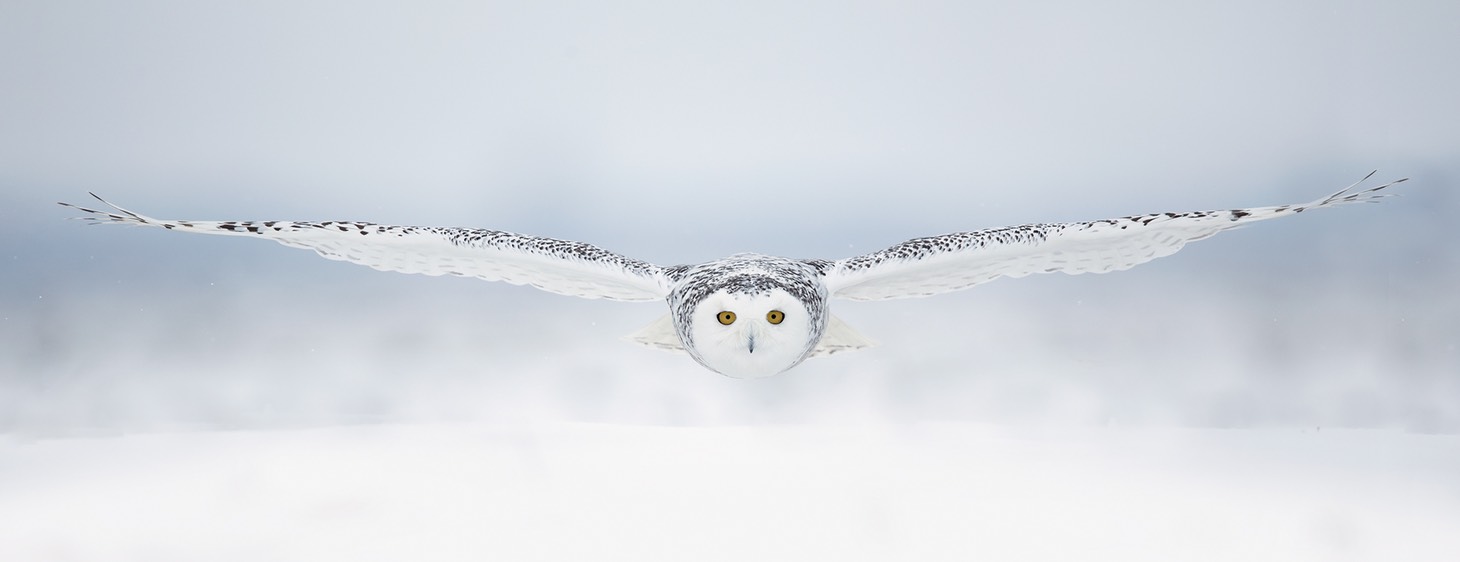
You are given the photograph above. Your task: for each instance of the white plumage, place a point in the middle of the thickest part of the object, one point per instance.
(939, 264)
(777, 307)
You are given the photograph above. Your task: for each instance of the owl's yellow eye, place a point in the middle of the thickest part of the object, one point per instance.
(775, 316)
(726, 317)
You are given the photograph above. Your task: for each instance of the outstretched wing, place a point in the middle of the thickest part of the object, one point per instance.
(929, 266)
(558, 266)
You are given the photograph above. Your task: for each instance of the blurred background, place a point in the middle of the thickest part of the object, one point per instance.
(683, 132)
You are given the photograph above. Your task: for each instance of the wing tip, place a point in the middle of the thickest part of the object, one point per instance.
(1369, 195)
(99, 216)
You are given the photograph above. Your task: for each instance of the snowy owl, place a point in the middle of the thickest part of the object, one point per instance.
(752, 315)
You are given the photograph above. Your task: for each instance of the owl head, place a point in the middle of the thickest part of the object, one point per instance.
(751, 333)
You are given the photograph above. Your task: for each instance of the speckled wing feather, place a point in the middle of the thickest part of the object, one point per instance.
(939, 264)
(558, 266)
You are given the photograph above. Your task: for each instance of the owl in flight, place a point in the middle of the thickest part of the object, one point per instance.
(752, 315)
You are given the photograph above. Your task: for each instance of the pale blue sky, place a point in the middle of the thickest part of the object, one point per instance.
(675, 133)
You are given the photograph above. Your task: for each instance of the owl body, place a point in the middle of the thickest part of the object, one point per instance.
(752, 315)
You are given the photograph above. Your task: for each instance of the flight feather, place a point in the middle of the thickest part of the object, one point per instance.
(950, 262)
(558, 266)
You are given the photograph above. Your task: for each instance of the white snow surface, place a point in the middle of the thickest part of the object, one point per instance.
(923, 491)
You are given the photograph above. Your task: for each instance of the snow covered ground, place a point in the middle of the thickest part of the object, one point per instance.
(473, 491)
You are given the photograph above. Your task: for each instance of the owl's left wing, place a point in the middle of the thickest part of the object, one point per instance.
(557, 266)
(940, 264)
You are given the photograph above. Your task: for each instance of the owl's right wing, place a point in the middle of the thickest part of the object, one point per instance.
(557, 266)
(940, 264)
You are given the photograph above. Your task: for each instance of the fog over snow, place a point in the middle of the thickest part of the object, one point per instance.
(1285, 391)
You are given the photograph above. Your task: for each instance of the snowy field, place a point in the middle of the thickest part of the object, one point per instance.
(621, 492)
